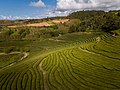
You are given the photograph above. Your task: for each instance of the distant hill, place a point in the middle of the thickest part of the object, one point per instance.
(96, 21)
(83, 15)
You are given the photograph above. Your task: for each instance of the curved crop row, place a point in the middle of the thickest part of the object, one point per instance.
(90, 65)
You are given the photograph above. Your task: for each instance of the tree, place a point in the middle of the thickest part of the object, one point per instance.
(73, 28)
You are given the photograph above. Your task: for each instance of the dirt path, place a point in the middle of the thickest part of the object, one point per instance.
(25, 55)
(98, 39)
(9, 53)
(87, 51)
(44, 75)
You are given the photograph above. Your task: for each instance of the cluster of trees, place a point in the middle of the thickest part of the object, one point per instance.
(29, 33)
(84, 15)
(96, 21)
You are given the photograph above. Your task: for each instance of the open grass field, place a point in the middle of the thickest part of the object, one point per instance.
(78, 61)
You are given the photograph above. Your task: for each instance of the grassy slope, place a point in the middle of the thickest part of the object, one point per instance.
(8, 59)
(74, 61)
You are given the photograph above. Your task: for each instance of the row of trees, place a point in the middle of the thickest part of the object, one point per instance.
(29, 33)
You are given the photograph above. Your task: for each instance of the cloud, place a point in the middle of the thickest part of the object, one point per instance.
(88, 4)
(54, 13)
(38, 4)
(9, 17)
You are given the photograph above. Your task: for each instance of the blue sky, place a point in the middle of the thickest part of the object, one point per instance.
(21, 9)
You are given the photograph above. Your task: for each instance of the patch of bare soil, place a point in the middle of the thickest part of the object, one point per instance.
(60, 21)
(98, 39)
(39, 24)
(33, 25)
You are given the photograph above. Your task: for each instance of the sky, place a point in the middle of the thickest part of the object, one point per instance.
(34, 9)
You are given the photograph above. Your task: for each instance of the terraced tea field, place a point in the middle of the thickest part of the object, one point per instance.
(91, 64)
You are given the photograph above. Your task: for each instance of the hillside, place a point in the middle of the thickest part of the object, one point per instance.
(85, 63)
(70, 54)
